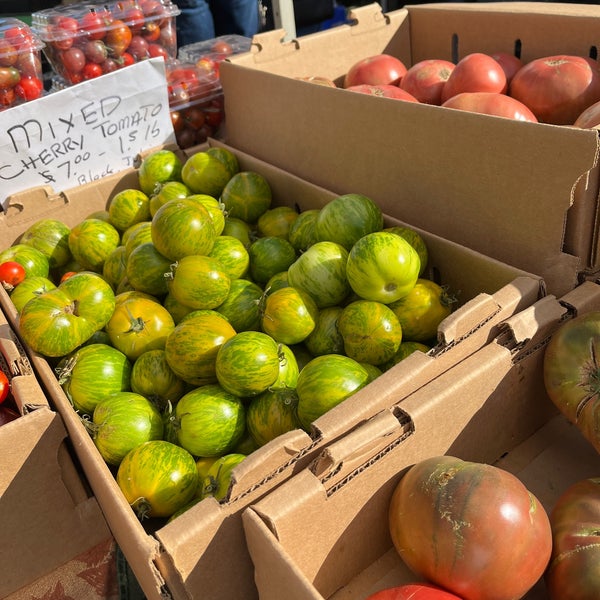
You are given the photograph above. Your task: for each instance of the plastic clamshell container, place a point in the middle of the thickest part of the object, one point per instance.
(196, 102)
(21, 77)
(84, 40)
(214, 50)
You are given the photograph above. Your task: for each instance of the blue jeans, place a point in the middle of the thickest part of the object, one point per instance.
(201, 20)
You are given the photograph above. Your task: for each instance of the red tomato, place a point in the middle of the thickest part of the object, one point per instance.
(490, 103)
(573, 572)
(557, 88)
(93, 24)
(589, 118)
(92, 70)
(476, 72)
(4, 386)
(222, 47)
(64, 32)
(426, 79)
(385, 91)
(11, 273)
(376, 70)
(29, 88)
(471, 528)
(509, 62)
(413, 591)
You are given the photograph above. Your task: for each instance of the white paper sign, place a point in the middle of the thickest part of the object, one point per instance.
(85, 132)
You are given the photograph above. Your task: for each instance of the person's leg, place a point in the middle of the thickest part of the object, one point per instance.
(194, 23)
(235, 17)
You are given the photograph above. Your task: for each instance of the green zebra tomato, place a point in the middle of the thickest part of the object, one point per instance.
(51, 238)
(248, 363)
(169, 190)
(370, 330)
(288, 369)
(241, 307)
(276, 222)
(92, 373)
(326, 338)
(325, 382)
(302, 233)
(383, 267)
(157, 478)
(122, 421)
(29, 288)
(347, 218)
(206, 173)
(128, 207)
(271, 414)
(191, 348)
(247, 195)
(218, 478)
(239, 229)
(232, 255)
(209, 420)
(183, 228)
(138, 325)
(415, 239)
(114, 268)
(136, 235)
(215, 209)
(34, 261)
(268, 256)
(321, 271)
(61, 319)
(146, 268)
(158, 167)
(91, 241)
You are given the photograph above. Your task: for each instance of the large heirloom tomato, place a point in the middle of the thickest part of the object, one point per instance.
(60, 320)
(375, 70)
(383, 267)
(324, 382)
(572, 373)
(209, 421)
(157, 478)
(557, 88)
(425, 80)
(91, 373)
(491, 103)
(138, 325)
(574, 570)
(476, 72)
(413, 591)
(383, 91)
(471, 528)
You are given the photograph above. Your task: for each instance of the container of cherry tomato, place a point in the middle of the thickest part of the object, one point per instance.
(20, 63)
(209, 54)
(195, 101)
(83, 40)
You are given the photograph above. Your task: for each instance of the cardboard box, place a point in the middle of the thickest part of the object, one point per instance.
(204, 549)
(49, 517)
(333, 540)
(524, 193)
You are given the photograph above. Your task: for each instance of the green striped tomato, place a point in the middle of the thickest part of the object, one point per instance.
(415, 239)
(152, 377)
(248, 363)
(247, 195)
(325, 338)
(289, 315)
(199, 282)
(158, 167)
(209, 420)
(146, 268)
(321, 271)
(34, 261)
(178, 311)
(302, 233)
(382, 267)
(405, 349)
(232, 255)
(347, 218)
(203, 464)
(276, 222)
(239, 229)
(29, 288)
(215, 209)
(191, 348)
(137, 234)
(271, 414)
(91, 241)
(276, 282)
(51, 238)
(169, 190)
(61, 319)
(268, 256)
(370, 330)
(288, 369)
(218, 479)
(325, 382)
(182, 228)
(241, 307)
(115, 267)
(157, 478)
(92, 373)
(122, 421)
(128, 207)
(206, 173)
(138, 325)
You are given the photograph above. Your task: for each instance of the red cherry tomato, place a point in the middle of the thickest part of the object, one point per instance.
(29, 88)
(11, 273)
(93, 24)
(91, 70)
(4, 386)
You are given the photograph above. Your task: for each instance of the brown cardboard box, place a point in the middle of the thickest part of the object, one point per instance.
(525, 193)
(332, 541)
(49, 517)
(202, 553)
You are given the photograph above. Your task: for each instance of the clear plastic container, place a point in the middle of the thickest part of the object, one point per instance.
(21, 77)
(195, 101)
(84, 40)
(209, 54)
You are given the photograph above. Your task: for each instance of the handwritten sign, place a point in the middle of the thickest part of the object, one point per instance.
(85, 132)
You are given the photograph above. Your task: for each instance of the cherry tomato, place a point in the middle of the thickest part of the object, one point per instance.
(9, 77)
(135, 18)
(155, 50)
(20, 38)
(11, 273)
(29, 88)
(151, 31)
(8, 53)
(118, 38)
(4, 386)
(91, 70)
(93, 24)
(64, 32)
